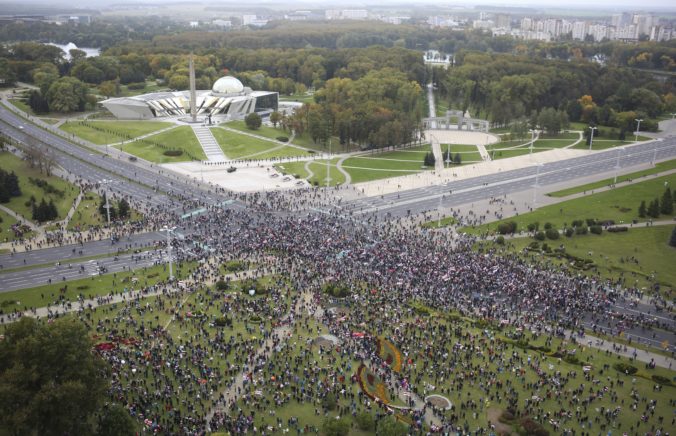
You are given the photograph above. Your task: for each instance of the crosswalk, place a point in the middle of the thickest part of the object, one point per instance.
(209, 144)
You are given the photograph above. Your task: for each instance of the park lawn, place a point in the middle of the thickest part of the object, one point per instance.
(504, 154)
(380, 162)
(571, 136)
(181, 138)
(658, 168)
(302, 98)
(87, 213)
(444, 222)
(63, 203)
(90, 286)
(649, 245)
(266, 131)
(293, 168)
(508, 144)
(602, 206)
(282, 152)
(360, 175)
(603, 144)
(6, 232)
(318, 167)
(553, 143)
(22, 105)
(237, 146)
(108, 132)
(49, 120)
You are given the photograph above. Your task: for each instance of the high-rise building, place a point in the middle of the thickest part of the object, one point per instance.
(526, 23)
(579, 30)
(503, 20)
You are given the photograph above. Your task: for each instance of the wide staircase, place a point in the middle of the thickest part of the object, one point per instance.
(209, 144)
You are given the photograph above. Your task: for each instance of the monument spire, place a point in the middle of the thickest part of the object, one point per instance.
(193, 97)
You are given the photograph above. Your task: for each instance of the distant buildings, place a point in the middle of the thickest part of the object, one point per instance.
(623, 27)
(346, 14)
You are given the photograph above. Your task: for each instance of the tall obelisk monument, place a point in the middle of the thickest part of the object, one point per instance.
(193, 97)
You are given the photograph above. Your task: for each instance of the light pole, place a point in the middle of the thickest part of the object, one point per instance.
(638, 128)
(535, 186)
(448, 156)
(617, 166)
(654, 156)
(591, 138)
(532, 140)
(169, 231)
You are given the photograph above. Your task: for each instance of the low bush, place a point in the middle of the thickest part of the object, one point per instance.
(597, 230)
(618, 229)
(223, 321)
(540, 236)
(337, 290)
(570, 232)
(552, 234)
(500, 240)
(577, 223)
(661, 380)
(173, 153)
(548, 226)
(535, 245)
(365, 421)
(82, 287)
(625, 368)
(590, 222)
(222, 285)
(581, 230)
(282, 139)
(136, 86)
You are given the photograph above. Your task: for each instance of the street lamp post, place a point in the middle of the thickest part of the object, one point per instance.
(169, 231)
(532, 139)
(638, 128)
(448, 155)
(591, 139)
(617, 166)
(535, 186)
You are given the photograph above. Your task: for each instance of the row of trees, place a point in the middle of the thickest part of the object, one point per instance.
(657, 207)
(119, 209)
(43, 211)
(507, 88)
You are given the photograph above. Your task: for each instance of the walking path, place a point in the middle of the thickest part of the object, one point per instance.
(34, 227)
(209, 144)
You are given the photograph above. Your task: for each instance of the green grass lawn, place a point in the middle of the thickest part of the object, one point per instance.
(286, 151)
(318, 167)
(237, 146)
(266, 131)
(648, 245)
(603, 144)
(49, 120)
(504, 154)
(22, 105)
(293, 168)
(382, 162)
(181, 138)
(606, 205)
(62, 200)
(6, 232)
(659, 167)
(90, 286)
(108, 132)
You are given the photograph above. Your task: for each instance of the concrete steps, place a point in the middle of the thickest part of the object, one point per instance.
(209, 144)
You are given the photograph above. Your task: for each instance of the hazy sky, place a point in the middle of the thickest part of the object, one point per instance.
(614, 5)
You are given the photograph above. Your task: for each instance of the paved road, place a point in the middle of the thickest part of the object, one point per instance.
(466, 191)
(149, 184)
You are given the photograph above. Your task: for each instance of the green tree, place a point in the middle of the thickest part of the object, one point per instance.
(110, 88)
(67, 94)
(102, 208)
(457, 159)
(667, 203)
(642, 210)
(365, 421)
(50, 381)
(275, 118)
(654, 209)
(123, 208)
(115, 420)
(336, 427)
(391, 427)
(672, 240)
(253, 121)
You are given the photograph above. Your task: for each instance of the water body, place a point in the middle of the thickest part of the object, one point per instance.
(91, 52)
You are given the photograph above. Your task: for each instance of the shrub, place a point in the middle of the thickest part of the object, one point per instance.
(590, 222)
(329, 402)
(535, 245)
(597, 230)
(570, 231)
(505, 228)
(577, 223)
(625, 368)
(533, 226)
(661, 380)
(173, 153)
(607, 223)
(573, 360)
(500, 240)
(223, 321)
(82, 287)
(548, 226)
(337, 290)
(552, 234)
(618, 229)
(253, 121)
(365, 421)
(222, 285)
(581, 230)
(137, 85)
(546, 248)
(540, 236)
(336, 427)
(282, 139)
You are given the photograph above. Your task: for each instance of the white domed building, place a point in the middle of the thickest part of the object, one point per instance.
(227, 99)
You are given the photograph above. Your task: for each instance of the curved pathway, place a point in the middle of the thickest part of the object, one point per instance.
(339, 166)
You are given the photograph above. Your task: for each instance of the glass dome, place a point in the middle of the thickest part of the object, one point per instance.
(227, 85)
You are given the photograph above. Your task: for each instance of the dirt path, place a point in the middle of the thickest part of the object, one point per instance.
(493, 415)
